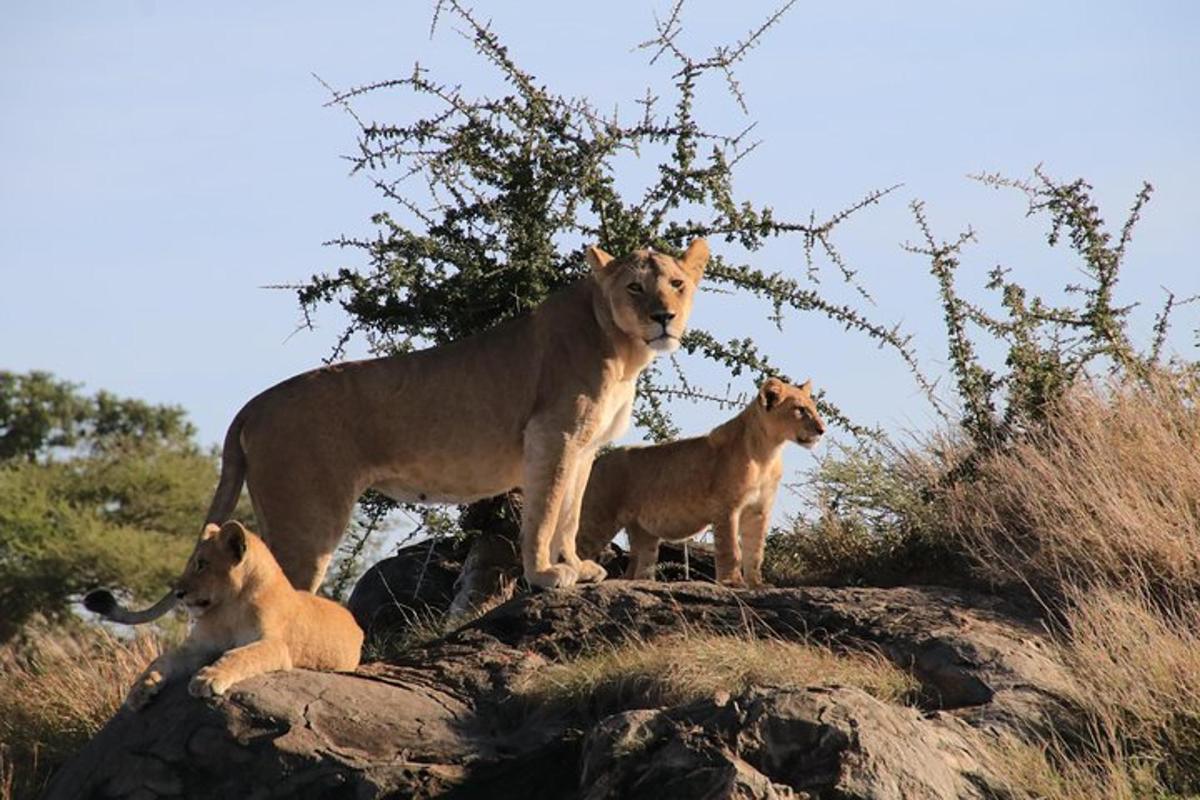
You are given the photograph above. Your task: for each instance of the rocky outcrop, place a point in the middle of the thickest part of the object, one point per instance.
(440, 720)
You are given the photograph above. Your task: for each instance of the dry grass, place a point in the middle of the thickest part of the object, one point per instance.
(56, 690)
(692, 665)
(1108, 492)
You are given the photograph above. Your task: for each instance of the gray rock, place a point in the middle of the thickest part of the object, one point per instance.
(440, 721)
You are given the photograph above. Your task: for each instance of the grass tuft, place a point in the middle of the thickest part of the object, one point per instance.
(690, 666)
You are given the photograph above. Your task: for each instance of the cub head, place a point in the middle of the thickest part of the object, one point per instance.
(649, 293)
(216, 570)
(789, 412)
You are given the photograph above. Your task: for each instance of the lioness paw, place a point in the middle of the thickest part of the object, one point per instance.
(208, 682)
(144, 690)
(559, 576)
(590, 572)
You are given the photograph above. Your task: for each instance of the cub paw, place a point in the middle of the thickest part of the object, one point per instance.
(590, 572)
(733, 582)
(559, 576)
(144, 690)
(208, 682)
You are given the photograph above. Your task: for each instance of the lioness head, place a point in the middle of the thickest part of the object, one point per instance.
(649, 293)
(215, 572)
(789, 412)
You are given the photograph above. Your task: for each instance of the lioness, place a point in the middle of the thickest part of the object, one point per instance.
(726, 478)
(527, 403)
(248, 620)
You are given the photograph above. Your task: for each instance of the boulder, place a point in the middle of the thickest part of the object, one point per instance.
(440, 721)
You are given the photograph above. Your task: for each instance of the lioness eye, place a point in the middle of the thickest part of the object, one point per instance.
(634, 288)
(201, 564)
(677, 283)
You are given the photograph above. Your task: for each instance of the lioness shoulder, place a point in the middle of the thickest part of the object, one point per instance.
(727, 478)
(247, 620)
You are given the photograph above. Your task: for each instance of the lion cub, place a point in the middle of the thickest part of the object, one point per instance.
(726, 479)
(247, 620)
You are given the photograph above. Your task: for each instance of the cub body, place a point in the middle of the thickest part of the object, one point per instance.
(248, 619)
(727, 478)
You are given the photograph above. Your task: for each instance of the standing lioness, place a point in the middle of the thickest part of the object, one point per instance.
(727, 478)
(526, 403)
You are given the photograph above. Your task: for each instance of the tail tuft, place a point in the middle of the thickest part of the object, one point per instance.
(100, 601)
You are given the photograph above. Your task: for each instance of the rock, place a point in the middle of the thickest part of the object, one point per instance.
(413, 585)
(439, 721)
(785, 743)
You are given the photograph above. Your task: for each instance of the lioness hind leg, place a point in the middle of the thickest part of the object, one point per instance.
(302, 525)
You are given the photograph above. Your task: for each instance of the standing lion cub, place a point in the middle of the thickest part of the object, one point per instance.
(726, 478)
(247, 620)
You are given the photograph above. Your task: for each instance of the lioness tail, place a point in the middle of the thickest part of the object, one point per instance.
(102, 602)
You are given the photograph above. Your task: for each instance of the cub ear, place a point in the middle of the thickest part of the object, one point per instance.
(210, 530)
(806, 386)
(770, 393)
(597, 259)
(233, 539)
(696, 258)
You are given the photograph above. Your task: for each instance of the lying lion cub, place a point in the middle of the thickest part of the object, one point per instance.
(726, 478)
(247, 620)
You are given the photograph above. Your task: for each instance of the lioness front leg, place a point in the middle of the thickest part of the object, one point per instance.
(567, 530)
(266, 655)
(550, 458)
(183, 661)
(729, 554)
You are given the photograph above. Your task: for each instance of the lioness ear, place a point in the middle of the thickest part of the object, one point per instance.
(597, 259)
(696, 258)
(806, 386)
(233, 539)
(770, 393)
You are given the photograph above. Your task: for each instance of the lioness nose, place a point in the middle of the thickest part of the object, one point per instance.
(820, 426)
(662, 317)
(179, 593)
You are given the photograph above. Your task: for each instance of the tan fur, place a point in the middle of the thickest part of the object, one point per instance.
(526, 403)
(727, 478)
(247, 620)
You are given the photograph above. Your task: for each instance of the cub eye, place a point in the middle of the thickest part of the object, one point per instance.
(677, 284)
(634, 288)
(201, 564)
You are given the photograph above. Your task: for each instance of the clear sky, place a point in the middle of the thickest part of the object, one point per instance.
(162, 162)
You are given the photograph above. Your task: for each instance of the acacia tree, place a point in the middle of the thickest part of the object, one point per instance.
(495, 197)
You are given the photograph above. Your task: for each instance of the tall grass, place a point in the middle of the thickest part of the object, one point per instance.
(1107, 491)
(56, 690)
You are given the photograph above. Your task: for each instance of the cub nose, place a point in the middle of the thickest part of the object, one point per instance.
(662, 317)
(180, 594)
(820, 426)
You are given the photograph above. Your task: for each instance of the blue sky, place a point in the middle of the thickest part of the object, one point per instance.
(161, 162)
